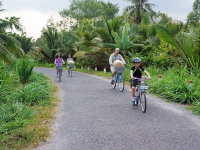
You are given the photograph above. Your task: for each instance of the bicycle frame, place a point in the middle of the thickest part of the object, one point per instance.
(119, 79)
(59, 72)
(141, 93)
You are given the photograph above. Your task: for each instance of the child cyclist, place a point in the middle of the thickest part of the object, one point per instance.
(136, 71)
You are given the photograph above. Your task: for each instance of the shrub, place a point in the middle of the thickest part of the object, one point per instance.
(24, 68)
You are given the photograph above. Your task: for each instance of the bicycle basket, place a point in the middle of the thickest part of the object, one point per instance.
(120, 70)
(144, 87)
(70, 65)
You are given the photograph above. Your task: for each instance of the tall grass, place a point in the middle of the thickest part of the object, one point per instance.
(13, 116)
(22, 94)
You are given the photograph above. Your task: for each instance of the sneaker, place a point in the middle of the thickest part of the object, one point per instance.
(113, 81)
(133, 102)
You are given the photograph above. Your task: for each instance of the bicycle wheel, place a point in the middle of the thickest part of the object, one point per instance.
(136, 104)
(114, 84)
(143, 101)
(70, 72)
(121, 82)
(60, 74)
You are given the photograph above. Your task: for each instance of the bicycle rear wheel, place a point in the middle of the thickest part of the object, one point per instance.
(143, 101)
(121, 82)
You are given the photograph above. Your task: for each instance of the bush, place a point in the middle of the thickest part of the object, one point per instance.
(174, 85)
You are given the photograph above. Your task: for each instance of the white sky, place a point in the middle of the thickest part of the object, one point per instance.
(35, 13)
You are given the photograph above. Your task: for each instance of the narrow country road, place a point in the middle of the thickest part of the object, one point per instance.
(93, 116)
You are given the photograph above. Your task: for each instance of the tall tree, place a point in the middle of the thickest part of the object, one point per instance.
(138, 9)
(193, 17)
(80, 9)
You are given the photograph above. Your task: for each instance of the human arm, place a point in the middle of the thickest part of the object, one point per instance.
(131, 74)
(110, 60)
(63, 61)
(147, 73)
(55, 61)
(122, 59)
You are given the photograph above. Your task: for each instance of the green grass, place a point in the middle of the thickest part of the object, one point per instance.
(26, 110)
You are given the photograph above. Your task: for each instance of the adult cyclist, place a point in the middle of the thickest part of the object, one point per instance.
(58, 61)
(115, 56)
(136, 71)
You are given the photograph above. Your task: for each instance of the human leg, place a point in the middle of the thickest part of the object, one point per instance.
(113, 70)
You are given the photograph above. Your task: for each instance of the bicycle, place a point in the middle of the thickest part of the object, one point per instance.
(118, 78)
(140, 93)
(70, 70)
(59, 72)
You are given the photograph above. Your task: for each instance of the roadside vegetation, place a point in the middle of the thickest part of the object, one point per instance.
(167, 47)
(27, 106)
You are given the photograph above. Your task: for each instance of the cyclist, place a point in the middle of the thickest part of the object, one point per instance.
(136, 71)
(69, 60)
(58, 61)
(115, 56)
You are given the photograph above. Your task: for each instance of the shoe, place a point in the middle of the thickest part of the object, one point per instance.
(136, 98)
(56, 76)
(113, 81)
(133, 102)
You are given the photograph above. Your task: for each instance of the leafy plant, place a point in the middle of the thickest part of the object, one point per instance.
(13, 116)
(24, 68)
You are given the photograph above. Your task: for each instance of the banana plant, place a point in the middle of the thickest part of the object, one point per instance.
(124, 41)
(183, 42)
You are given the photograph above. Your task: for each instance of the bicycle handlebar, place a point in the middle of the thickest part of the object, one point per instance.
(135, 78)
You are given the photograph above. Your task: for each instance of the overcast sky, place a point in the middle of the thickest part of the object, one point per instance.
(35, 13)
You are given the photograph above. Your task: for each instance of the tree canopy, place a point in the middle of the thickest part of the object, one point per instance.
(80, 9)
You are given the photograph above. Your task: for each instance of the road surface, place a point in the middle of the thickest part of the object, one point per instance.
(93, 116)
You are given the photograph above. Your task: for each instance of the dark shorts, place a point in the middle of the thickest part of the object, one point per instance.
(134, 82)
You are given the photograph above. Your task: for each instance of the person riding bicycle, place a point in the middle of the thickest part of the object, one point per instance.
(69, 62)
(136, 71)
(58, 61)
(115, 56)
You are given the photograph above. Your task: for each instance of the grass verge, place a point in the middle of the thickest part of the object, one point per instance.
(37, 129)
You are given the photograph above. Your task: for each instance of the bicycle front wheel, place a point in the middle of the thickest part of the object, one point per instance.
(121, 83)
(60, 74)
(114, 83)
(143, 101)
(70, 72)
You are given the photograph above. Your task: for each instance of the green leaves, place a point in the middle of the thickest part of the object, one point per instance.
(24, 67)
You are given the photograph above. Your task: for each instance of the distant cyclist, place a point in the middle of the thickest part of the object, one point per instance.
(58, 61)
(113, 57)
(136, 71)
(69, 62)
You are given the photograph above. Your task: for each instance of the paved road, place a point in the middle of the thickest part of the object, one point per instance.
(93, 116)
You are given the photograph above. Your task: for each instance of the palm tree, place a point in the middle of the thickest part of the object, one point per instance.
(47, 45)
(104, 30)
(8, 44)
(138, 8)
